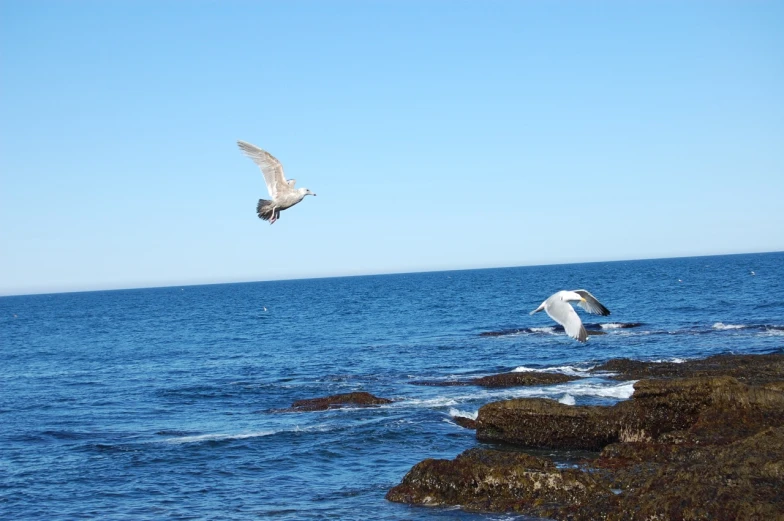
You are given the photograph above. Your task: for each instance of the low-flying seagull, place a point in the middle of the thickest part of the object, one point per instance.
(559, 308)
(283, 193)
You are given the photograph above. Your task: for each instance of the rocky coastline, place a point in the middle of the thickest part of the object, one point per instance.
(702, 439)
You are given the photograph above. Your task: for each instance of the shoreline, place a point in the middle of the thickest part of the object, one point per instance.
(698, 439)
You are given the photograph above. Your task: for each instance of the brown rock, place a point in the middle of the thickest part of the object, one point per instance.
(740, 481)
(489, 480)
(361, 399)
(750, 369)
(656, 408)
(521, 379)
(518, 379)
(709, 446)
(543, 423)
(466, 423)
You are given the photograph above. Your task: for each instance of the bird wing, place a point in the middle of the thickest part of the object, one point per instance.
(270, 167)
(590, 304)
(563, 313)
(540, 308)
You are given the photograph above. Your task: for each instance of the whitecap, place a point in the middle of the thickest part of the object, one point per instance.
(622, 391)
(620, 325)
(567, 399)
(669, 361)
(463, 414)
(569, 370)
(723, 327)
(550, 330)
(219, 437)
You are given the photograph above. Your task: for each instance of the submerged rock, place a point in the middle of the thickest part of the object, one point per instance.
(357, 399)
(518, 379)
(522, 379)
(465, 422)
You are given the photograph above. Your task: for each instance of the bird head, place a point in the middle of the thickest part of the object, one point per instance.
(571, 296)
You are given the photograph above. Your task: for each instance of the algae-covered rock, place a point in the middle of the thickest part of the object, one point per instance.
(709, 446)
(503, 380)
(491, 480)
(357, 399)
(657, 407)
(749, 369)
(522, 379)
(544, 423)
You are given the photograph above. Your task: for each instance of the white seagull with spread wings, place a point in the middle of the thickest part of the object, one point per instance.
(283, 193)
(559, 308)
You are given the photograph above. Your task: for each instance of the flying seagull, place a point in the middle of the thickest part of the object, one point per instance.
(559, 308)
(283, 193)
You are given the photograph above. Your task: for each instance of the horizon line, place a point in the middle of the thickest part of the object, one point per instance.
(316, 277)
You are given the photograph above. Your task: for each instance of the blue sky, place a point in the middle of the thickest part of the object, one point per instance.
(437, 135)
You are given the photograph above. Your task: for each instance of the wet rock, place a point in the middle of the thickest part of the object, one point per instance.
(544, 423)
(358, 399)
(522, 379)
(489, 480)
(505, 332)
(657, 407)
(442, 383)
(739, 481)
(465, 422)
(750, 369)
(518, 379)
(709, 446)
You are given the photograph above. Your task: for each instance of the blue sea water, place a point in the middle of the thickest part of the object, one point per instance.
(163, 403)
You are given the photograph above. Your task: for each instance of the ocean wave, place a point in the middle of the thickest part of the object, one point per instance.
(622, 391)
(550, 330)
(597, 389)
(620, 325)
(558, 329)
(569, 370)
(463, 414)
(723, 327)
(220, 437)
(567, 399)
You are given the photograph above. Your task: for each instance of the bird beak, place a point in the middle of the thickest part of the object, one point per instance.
(314, 195)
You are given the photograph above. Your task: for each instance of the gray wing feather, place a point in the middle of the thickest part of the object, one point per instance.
(564, 314)
(591, 304)
(270, 167)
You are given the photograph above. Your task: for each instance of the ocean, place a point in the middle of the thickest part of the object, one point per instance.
(166, 403)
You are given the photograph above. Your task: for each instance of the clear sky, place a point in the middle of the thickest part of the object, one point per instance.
(437, 135)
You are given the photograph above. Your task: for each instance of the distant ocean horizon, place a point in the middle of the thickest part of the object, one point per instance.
(174, 402)
(349, 275)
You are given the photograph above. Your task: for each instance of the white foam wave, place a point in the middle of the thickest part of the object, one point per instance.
(669, 361)
(439, 401)
(569, 370)
(457, 412)
(622, 391)
(612, 325)
(550, 330)
(220, 437)
(723, 327)
(567, 399)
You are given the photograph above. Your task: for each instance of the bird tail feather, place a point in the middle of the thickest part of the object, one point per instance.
(265, 209)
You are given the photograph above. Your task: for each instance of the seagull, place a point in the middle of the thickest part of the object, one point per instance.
(283, 193)
(559, 308)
